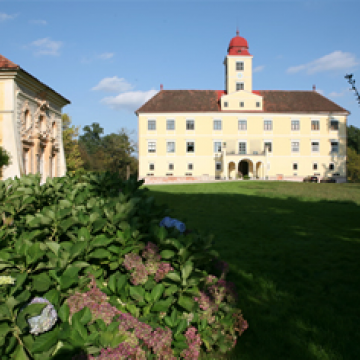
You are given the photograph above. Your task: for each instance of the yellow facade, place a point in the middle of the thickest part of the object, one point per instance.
(1, 109)
(297, 144)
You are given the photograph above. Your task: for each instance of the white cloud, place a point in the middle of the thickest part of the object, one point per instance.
(106, 56)
(46, 47)
(130, 101)
(113, 84)
(4, 17)
(259, 68)
(338, 94)
(38, 22)
(337, 60)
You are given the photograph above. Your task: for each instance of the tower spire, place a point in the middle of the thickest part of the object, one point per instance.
(237, 31)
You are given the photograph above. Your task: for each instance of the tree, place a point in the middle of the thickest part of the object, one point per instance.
(91, 140)
(4, 159)
(352, 82)
(353, 138)
(353, 165)
(73, 156)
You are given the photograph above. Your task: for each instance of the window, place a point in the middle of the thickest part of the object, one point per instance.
(171, 166)
(225, 104)
(169, 174)
(257, 104)
(170, 146)
(151, 146)
(239, 86)
(268, 125)
(27, 119)
(295, 125)
(331, 166)
(242, 125)
(190, 166)
(151, 167)
(268, 144)
(295, 146)
(190, 146)
(241, 104)
(54, 129)
(295, 166)
(242, 147)
(190, 125)
(170, 124)
(218, 166)
(151, 124)
(334, 125)
(336, 174)
(315, 125)
(188, 174)
(315, 147)
(334, 147)
(239, 66)
(315, 167)
(217, 124)
(42, 124)
(217, 146)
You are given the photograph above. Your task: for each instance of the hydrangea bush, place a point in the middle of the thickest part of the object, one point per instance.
(88, 271)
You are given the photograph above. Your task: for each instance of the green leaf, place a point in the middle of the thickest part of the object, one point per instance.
(162, 233)
(80, 264)
(180, 345)
(117, 340)
(78, 326)
(20, 353)
(162, 305)
(186, 271)
(101, 240)
(168, 321)
(98, 224)
(157, 291)
(100, 254)
(64, 312)
(77, 249)
(112, 282)
(167, 254)
(53, 296)
(4, 328)
(174, 275)
(181, 326)
(44, 342)
(83, 234)
(137, 293)
(66, 282)
(106, 338)
(53, 246)
(30, 311)
(71, 271)
(174, 316)
(172, 289)
(121, 281)
(85, 315)
(186, 302)
(41, 282)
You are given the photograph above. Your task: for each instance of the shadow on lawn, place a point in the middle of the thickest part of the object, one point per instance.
(296, 265)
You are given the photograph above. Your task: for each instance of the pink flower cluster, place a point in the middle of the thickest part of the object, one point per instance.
(194, 343)
(240, 324)
(123, 352)
(152, 266)
(96, 301)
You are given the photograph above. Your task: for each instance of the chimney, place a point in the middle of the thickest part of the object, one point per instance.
(161, 87)
(314, 87)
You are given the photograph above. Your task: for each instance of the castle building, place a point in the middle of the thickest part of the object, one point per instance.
(30, 124)
(220, 134)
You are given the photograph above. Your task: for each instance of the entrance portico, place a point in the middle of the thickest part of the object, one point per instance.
(253, 168)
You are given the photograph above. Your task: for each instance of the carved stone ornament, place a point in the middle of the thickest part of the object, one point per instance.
(26, 128)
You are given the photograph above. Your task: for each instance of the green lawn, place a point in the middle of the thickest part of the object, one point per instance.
(294, 253)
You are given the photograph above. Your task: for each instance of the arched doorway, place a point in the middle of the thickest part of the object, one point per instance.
(244, 167)
(260, 170)
(232, 170)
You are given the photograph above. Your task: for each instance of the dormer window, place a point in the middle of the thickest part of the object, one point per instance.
(257, 104)
(241, 104)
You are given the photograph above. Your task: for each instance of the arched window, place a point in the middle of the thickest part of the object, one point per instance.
(42, 124)
(54, 129)
(27, 119)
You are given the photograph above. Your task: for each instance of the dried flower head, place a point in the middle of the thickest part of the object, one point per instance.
(7, 280)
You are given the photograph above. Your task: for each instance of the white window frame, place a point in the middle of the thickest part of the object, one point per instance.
(238, 146)
(148, 143)
(167, 149)
(292, 148)
(216, 165)
(313, 120)
(337, 148)
(271, 122)
(186, 145)
(192, 166)
(214, 142)
(317, 166)
(272, 148)
(336, 121)
(244, 121)
(311, 144)
(240, 67)
(154, 121)
(167, 123)
(297, 166)
(188, 121)
(153, 164)
(241, 83)
(217, 121)
(242, 104)
(298, 123)
(173, 166)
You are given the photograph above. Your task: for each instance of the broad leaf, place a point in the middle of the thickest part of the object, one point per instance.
(157, 291)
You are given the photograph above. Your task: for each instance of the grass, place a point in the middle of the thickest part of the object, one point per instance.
(294, 254)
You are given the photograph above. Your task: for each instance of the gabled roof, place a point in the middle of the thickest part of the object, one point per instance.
(6, 64)
(274, 101)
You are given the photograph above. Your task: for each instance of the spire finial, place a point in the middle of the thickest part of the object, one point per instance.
(237, 31)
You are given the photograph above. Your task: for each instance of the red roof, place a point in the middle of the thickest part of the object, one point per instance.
(6, 63)
(274, 101)
(238, 46)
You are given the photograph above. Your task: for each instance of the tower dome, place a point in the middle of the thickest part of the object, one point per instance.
(238, 45)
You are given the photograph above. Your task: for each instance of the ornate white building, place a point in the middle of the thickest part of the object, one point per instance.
(30, 124)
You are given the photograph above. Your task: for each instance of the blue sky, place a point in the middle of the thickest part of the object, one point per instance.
(109, 57)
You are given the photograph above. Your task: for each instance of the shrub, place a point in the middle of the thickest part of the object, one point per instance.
(246, 177)
(86, 271)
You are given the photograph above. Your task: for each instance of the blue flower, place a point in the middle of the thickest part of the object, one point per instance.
(169, 222)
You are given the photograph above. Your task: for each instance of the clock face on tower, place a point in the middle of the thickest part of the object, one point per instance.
(239, 75)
